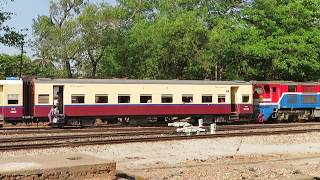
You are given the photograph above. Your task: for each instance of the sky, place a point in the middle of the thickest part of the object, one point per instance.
(24, 13)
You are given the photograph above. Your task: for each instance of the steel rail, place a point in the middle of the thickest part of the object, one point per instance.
(82, 136)
(149, 139)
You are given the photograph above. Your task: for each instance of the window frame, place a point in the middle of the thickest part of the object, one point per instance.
(124, 95)
(101, 95)
(207, 95)
(266, 88)
(78, 95)
(245, 95)
(12, 99)
(167, 96)
(310, 97)
(47, 102)
(145, 95)
(187, 96)
(224, 97)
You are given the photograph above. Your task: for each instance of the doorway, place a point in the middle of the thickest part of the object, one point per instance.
(58, 98)
(233, 99)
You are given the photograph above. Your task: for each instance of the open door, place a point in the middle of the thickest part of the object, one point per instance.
(1, 106)
(58, 98)
(233, 99)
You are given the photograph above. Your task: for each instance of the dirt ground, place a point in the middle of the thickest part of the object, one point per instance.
(256, 157)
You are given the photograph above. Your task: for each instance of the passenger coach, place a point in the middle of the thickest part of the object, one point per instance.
(88, 99)
(99, 98)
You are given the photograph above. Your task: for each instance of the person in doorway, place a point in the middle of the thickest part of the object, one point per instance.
(56, 100)
(52, 113)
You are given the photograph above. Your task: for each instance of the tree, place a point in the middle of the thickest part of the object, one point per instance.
(56, 36)
(285, 42)
(8, 36)
(98, 31)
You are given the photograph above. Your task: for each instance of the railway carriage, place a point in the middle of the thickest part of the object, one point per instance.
(93, 98)
(11, 100)
(287, 101)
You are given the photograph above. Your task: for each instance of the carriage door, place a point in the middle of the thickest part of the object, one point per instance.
(275, 92)
(1, 104)
(233, 99)
(58, 97)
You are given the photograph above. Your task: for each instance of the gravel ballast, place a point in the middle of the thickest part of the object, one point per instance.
(256, 157)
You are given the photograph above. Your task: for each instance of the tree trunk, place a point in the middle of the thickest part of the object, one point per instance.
(94, 69)
(68, 68)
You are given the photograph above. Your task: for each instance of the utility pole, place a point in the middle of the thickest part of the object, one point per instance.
(21, 59)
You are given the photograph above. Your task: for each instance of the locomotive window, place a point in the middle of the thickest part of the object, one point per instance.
(245, 98)
(292, 99)
(221, 99)
(43, 98)
(274, 89)
(77, 99)
(310, 99)
(267, 89)
(259, 89)
(145, 98)
(100, 98)
(187, 98)
(13, 98)
(166, 98)
(291, 88)
(123, 99)
(206, 99)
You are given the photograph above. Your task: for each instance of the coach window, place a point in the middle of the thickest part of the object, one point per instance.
(43, 98)
(101, 98)
(245, 98)
(145, 98)
(187, 98)
(166, 98)
(221, 99)
(124, 99)
(206, 99)
(13, 98)
(274, 89)
(77, 99)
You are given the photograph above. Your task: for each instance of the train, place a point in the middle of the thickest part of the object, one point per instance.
(84, 101)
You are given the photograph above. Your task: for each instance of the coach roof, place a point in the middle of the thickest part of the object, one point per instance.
(135, 81)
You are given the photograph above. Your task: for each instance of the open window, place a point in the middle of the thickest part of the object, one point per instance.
(187, 98)
(124, 99)
(13, 99)
(145, 98)
(221, 98)
(245, 98)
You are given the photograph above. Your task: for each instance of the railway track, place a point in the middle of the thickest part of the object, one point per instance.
(68, 143)
(44, 130)
(77, 130)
